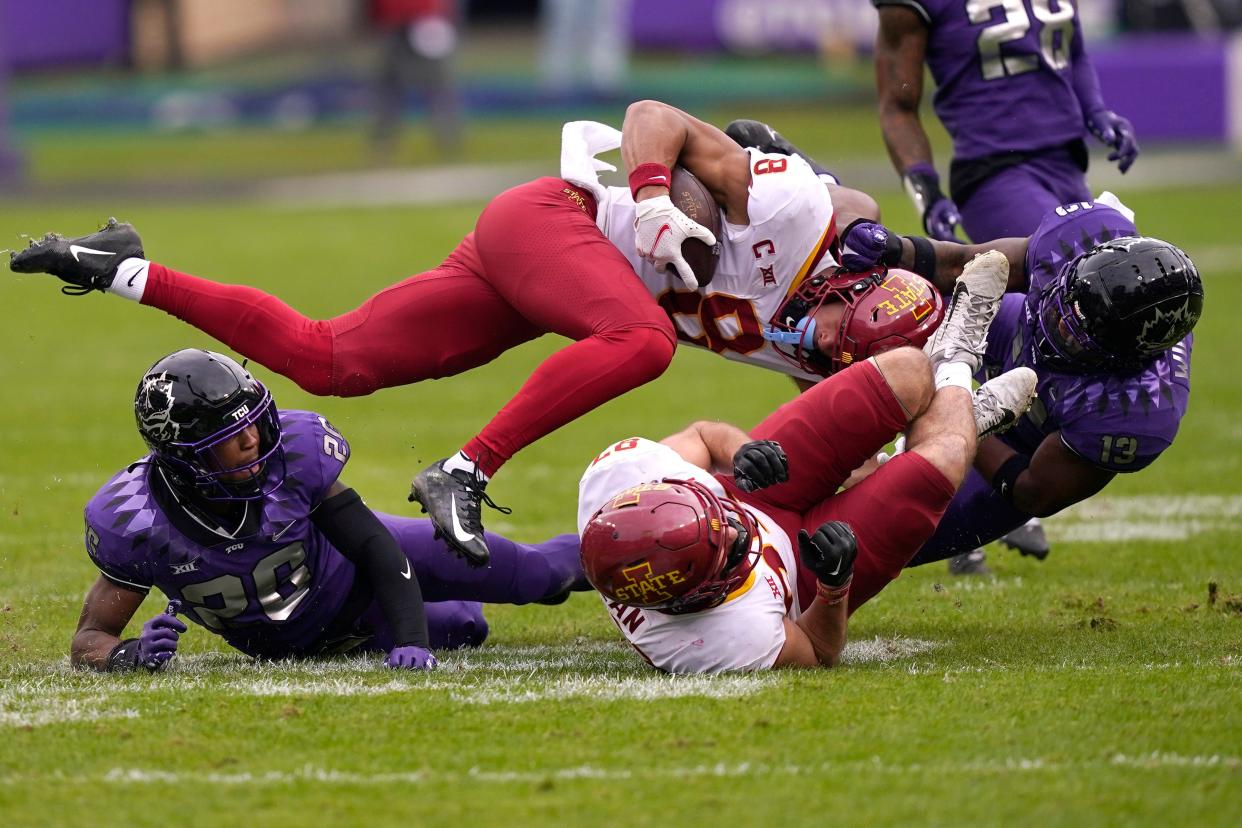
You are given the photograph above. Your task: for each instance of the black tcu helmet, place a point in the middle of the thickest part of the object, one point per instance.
(192, 401)
(1117, 306)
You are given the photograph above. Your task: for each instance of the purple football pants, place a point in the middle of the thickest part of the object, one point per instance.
(1013, 202)
(518, 573)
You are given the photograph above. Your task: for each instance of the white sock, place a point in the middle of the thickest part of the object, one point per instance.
(131, 279)
(954, 374)
(464, 463)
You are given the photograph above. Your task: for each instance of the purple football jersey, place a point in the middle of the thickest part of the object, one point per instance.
(272, 593)
(1117, 422)
(1003, 71)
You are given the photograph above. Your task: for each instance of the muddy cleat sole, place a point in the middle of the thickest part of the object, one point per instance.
(1029, 539)
(970, 563)
(962, 336)
(87, 262)
(453, 501)
(1000, 401)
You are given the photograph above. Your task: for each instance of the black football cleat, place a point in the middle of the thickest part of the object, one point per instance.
(453, 500)
(1029, 539)
(87, 263)
(757, 134)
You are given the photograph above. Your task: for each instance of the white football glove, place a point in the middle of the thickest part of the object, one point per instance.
(660, 228)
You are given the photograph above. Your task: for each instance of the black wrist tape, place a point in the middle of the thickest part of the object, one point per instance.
(1006, 477)
(124, 656)
(924, 257)
(892, 250)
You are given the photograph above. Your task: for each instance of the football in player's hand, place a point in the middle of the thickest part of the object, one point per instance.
(690, 196)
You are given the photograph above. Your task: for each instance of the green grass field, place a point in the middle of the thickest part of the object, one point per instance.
(1101, 687)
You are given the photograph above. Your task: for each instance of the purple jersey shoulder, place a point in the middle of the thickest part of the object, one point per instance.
(271, 592)
(1066, 233)
(1120, 422)
(1003, 73)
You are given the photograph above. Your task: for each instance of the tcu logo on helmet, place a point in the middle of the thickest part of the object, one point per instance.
(154, 406)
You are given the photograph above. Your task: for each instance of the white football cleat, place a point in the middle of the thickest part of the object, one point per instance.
(1000, 401)
(962, 336)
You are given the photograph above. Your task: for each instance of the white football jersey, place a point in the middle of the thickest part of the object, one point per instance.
(747, 631)
(791, 237)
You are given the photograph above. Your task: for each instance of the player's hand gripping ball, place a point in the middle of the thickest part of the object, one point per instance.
(668, 232)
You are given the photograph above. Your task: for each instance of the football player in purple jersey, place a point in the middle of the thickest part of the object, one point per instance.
(239, 517)
(1104, 317)
(1017, 93)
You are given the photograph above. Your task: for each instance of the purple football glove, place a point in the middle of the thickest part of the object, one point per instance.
(866, 244)
(158, 642)
(1116, 132)
(410, 658)
(941, 220)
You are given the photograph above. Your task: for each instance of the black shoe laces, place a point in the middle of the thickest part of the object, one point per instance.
(474, 487)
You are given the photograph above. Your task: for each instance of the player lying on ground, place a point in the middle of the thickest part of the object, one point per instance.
(1104, 317)
(238, 515)
(552, 256)
(698, 569)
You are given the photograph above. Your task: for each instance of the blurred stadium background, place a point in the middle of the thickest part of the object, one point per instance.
(256, 141)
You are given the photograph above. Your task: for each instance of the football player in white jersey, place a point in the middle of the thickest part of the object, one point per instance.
(689, 539)
(779, 297)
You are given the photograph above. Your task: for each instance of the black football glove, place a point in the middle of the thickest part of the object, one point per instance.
(829, 553)
(759, 464)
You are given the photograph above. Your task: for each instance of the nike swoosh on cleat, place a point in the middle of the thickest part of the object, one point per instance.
(458, 531)
(406, 574)
(75, 249)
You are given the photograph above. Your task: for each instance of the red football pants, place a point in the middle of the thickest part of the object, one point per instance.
(536, 263)
(828, 432)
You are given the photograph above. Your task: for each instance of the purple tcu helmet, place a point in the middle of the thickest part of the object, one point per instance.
(192, 401)
(1117, 306)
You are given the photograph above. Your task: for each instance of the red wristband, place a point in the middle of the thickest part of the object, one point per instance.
(833, 595)
(649, 175)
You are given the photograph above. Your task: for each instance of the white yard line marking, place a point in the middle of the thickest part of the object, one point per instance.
(1147, 517)
(47, 710)
(1155, 760)
(881, 650)
(513, 675)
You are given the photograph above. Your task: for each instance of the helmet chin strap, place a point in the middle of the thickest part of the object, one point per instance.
(802, 336)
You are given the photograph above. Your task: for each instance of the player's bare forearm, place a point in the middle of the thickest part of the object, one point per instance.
(91, 648)
(654, 132)
(825, 626)
(900, 46)
(905, 138)
(1054, 479)
(708, 445)
(951, 258)
(105, 612)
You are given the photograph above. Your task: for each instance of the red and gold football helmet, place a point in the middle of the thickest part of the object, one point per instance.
(884, 309)
(666, 546)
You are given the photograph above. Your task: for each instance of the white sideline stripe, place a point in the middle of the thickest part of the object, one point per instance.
(1155, 760)
(1146, 517)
